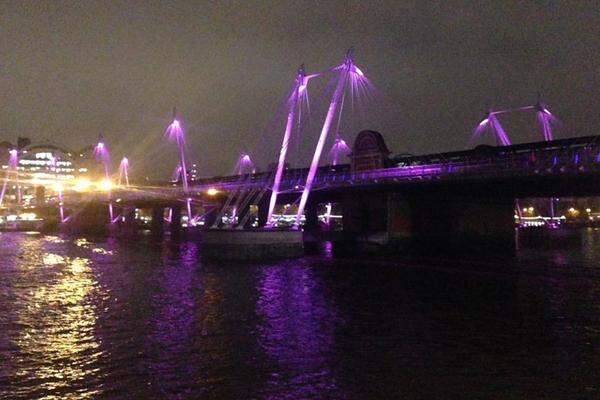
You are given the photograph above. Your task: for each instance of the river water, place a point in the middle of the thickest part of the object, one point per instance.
(111, 318)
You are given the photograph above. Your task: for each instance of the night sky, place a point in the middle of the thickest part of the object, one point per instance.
(72, 70)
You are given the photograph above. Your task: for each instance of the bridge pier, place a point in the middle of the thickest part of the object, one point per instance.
(456, 224)
(427, 222)
(312, 217)
(91, 218)
(263, 211)
(175, 224)
(157, 225)
(129, 223)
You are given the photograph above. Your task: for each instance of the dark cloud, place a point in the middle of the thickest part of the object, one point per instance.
(72, 70)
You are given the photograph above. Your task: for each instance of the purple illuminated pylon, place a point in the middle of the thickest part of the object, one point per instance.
(124, 171)
(299, 89)
(244, 165)
(176, 133)
(176, 173)
(545, 120)
(102, 155)
(346, 69)
(13, 168)
(491, 123)
(339, 148)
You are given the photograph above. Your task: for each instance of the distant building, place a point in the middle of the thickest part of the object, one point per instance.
(43, 168)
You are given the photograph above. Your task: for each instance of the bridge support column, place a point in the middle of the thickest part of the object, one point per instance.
(175, 224)
(365, 217)
(210, 216)
(92, 218)
(312, 217)
(129, 224)
(157, 225)
(263, 212)
(427, 222)
(455, 224)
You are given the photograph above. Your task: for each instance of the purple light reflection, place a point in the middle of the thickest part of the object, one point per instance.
(172, 327)
(297, 331)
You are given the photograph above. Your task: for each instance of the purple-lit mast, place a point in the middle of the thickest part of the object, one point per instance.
(101, 153)
(339, 147)
(544, 117)
(124, 171)
(299, 87)
(491, 122)
(345, 69)
(175, 132)
(13, 164)
(244, 165)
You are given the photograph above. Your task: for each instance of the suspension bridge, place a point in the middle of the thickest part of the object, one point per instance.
(376, 194)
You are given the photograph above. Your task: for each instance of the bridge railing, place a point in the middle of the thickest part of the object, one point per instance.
(572, 156)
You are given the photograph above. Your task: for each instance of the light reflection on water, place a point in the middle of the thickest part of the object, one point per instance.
(90, 318)
(55, 322)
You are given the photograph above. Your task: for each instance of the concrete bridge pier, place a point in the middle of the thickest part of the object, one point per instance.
(129, 224)
(456, 224)
(427, 222)
(157, 224)
(91, 218)
(175, 224)
(311, 227)
(263, 210)
(210, 216)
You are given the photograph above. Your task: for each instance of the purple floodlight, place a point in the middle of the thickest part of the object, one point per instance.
(339, 148)
(545, 120)
(102, 155)
(491, 124)
(13, 163)
(245, 165)
(101, 150)
(13, 159)
(346, 70)
(176, 133)
(176, 173)
(124, 171)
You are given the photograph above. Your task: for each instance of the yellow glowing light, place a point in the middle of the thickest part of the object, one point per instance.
(105, 185)
(589, 210)
(212, 191)
(28, 216)
(58, 187)
(82, 185)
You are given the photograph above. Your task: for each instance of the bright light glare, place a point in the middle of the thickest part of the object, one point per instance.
(58, 187)
(105, 185)
(212, 191)
(82, 185)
